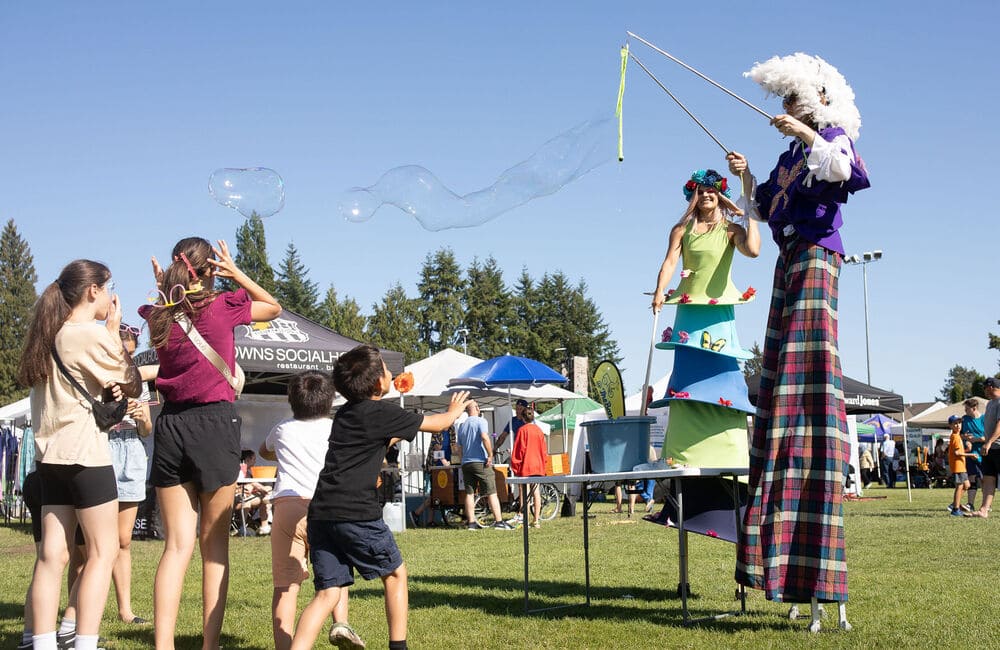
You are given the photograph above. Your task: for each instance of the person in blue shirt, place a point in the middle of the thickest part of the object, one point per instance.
(473, 435)
(972, 432)
(514, 425)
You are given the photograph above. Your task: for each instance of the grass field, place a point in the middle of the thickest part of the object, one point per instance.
(918, 579)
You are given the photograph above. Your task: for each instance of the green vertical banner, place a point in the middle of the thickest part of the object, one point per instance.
(610, 392)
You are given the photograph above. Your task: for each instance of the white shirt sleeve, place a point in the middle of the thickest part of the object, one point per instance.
(748, 200)
(829, 161)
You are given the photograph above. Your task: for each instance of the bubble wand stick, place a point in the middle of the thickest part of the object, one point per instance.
(679, 103)
(709, 80)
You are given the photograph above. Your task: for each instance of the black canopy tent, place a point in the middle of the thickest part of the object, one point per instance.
(859, 397)
(271, 352)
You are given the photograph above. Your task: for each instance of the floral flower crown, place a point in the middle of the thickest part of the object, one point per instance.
(708, 177)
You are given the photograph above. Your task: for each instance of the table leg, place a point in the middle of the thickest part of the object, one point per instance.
(682, 549)
(243, 516)
(586, 541)
(524, 526)
(742, 590)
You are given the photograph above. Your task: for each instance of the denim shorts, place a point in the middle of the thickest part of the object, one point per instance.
(128, 457)
(337, 548)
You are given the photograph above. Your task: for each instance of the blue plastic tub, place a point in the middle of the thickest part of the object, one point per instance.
(618, 445)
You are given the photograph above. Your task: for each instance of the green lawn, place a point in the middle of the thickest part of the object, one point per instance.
(919, 578)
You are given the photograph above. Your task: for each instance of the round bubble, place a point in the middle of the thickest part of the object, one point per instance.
(249, 191)
(418, 192)
(358, 205)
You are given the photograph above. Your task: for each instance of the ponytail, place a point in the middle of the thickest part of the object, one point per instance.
(189, 268)
(49, 314)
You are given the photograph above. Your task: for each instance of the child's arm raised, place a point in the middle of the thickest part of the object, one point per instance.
(441, 421)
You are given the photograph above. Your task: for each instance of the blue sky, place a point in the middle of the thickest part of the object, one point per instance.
(114, 115)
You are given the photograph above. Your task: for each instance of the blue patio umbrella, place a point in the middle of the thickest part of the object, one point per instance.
(508, 371)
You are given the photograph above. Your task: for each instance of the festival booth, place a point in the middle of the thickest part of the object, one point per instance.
(431, 393)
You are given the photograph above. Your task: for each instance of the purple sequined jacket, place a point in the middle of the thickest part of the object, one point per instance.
(812, 208)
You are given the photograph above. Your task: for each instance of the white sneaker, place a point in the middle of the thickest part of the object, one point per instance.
(264, 530)
(344, 637)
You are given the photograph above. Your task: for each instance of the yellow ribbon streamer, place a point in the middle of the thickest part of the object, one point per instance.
(621, 96)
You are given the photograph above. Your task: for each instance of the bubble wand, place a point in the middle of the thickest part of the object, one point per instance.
(679, 103)
(709, 80)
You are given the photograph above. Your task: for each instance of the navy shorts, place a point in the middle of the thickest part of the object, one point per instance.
(76, 485)
(197, 443)
(337, 548)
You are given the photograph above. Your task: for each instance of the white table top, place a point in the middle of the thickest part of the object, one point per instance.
(256, 480)
(679, 472)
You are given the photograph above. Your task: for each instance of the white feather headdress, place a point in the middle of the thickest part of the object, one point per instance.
(806, 77)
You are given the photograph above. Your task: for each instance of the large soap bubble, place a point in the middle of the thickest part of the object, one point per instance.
(415, 190)
(248, 191)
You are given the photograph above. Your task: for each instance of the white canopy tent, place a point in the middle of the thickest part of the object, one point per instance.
(432, 393)
(937, 418)
(18, 411)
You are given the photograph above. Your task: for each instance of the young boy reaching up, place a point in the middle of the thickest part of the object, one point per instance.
(345, 527)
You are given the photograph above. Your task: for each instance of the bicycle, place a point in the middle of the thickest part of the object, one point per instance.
(551, 502)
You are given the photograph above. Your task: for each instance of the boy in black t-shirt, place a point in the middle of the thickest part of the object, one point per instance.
(345, 527)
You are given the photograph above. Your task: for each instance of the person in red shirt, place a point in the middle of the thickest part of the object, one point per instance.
(530, 456)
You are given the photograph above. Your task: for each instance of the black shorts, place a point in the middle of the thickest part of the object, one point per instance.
(991, 463)
(337, 548)
(76, 485)
(197, 443)
(31, 491)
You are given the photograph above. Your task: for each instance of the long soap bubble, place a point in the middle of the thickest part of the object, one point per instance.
(251, 190)
(417, 191)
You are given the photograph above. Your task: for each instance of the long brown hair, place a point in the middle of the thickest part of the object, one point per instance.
(189, 268)
(50, 313)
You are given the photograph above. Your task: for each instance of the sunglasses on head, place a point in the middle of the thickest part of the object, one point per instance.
(134, 331)
(175, 296)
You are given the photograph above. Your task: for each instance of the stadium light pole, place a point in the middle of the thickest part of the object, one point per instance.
(864, 260)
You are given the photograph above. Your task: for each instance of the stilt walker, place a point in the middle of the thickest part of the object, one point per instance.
(793, 546)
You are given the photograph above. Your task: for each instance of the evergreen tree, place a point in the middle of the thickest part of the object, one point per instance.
(755, 365)
(342, 316)
(569, 319)
(251, 254)
(522, 335)
(17, 297)
(439, 308)
(961, 384)
(488, 309)
(293, 289)
(394, 324)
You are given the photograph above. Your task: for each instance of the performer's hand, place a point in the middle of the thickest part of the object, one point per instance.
(737, 163)
(789, 125)
(658, 298)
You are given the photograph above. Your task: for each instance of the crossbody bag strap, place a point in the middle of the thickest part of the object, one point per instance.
(199, 342)
(72, 380)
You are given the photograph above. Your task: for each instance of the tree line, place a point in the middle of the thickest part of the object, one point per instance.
(549, 319)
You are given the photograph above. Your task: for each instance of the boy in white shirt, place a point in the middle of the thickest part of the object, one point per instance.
(299, 445)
